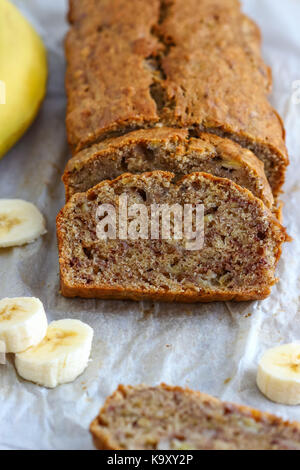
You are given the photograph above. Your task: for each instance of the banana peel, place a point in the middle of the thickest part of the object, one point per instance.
(23, 75)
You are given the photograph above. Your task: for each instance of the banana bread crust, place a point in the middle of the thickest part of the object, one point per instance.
(159, 67)
(264, 430)
(168, 150)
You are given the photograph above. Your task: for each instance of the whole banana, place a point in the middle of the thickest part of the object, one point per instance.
(23, 75)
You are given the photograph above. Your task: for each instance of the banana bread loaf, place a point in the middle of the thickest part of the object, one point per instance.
(242, 242)
(172, 418)
(176, 63)
(169, 150)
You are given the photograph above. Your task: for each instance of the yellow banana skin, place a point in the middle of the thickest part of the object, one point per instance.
(23, 69)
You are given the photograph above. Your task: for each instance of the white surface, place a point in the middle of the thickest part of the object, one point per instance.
(201, 345)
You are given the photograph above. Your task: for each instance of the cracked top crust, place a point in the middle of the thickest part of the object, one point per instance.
(107, 82)
(140, 64)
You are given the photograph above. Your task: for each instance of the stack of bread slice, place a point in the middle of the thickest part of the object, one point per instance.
(168, 104)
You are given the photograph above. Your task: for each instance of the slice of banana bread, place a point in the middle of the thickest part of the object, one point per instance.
(134, 65)
(242, 241)
(169, 150)
(173, 418)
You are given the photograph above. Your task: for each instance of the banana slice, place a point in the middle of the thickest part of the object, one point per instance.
(2, 352)
(278, 376)
(23, 323)
(61, 357)
(20, 223)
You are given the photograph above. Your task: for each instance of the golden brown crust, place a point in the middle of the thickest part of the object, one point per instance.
(164, 68)
(104, 440)
(106, 94)
(96, 290)
(107, 158)
(163, 296)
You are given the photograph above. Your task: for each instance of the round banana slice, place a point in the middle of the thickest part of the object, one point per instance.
(278, 376)
(61, 357)
(20, 223)
(23, 323)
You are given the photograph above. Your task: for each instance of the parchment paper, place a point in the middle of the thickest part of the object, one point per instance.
(213, 348)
